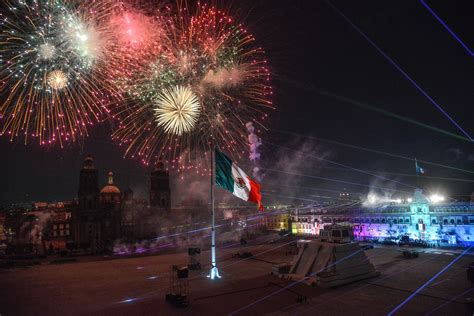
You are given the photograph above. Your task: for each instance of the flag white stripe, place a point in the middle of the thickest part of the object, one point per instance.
(241, 183)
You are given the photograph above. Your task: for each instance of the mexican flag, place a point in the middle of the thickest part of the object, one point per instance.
(230, 177)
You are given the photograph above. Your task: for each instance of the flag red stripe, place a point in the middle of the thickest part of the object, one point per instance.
(255, 195)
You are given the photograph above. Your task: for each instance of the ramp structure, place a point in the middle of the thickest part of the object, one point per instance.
(330, 264)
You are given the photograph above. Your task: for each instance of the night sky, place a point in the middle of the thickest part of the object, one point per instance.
(313, 51)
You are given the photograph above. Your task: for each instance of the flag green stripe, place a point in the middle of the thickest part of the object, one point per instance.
(224, 171)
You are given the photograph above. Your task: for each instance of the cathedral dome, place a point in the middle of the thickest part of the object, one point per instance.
(110, 188)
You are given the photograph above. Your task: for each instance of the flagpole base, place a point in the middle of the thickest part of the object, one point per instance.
(214, 273)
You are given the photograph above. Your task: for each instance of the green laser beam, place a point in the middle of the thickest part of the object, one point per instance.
(387, 113)
(373, 151)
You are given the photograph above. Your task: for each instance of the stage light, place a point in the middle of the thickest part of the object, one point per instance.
(436, 198)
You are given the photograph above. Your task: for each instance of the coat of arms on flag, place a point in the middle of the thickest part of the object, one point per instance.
(230, 177)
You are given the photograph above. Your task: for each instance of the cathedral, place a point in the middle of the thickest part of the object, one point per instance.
(105, 215)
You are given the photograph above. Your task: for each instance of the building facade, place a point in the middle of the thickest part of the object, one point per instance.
(3, 229)
(278, 222)
(96, 219)
(160, 191)
(420, 219)
(104, 216)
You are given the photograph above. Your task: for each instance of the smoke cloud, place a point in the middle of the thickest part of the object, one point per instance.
(222, 77)
(254, 142)
(289, 171)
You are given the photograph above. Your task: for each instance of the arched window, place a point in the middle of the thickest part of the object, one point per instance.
(445, 221)
(433, 221)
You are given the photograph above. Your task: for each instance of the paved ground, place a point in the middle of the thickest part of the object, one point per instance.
(137, 286)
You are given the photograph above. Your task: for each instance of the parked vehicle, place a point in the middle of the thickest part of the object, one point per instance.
(336, 234)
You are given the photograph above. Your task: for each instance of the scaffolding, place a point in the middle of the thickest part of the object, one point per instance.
(178, 286)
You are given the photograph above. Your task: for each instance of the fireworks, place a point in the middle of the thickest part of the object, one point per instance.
(223, 76)
(46, 51)
(57, 79)
(138, 39)
(176, 83)
(51, 74)
(177, 110)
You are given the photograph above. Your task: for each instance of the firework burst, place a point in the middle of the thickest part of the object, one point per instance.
(57, 80)
(51, 74)
(177, 110)
(225, 76)
(138, 37)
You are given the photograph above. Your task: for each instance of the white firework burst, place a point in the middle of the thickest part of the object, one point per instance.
(177, 110)
(46, 51)
(57, 79)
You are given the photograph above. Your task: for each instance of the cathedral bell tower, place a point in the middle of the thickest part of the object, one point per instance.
(88, 194)
(160, 192)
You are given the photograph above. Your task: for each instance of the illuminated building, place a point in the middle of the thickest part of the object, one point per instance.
(110, 194)
(306, 225)
(44, 227)
(278, 222)
(417, 217)
(450, 222)
(59, 228)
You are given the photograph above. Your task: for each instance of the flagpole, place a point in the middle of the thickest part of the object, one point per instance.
(416, 173)
(213, 272)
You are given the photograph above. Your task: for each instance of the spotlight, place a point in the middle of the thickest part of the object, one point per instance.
(435, 198)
